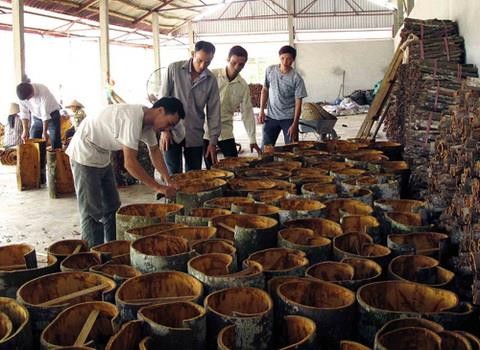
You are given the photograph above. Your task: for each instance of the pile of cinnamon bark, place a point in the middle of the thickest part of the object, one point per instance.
(424, 90)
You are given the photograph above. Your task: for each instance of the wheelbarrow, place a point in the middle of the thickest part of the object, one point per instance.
(322, 128)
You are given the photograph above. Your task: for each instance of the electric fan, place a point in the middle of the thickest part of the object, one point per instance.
(154, 84)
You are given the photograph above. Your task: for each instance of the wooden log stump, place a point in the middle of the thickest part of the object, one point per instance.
(59, 174)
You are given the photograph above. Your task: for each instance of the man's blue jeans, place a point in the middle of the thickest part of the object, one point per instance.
(53, 129)
(173, 157)
(272, 128)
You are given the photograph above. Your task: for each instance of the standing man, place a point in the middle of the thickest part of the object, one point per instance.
(193, 84)
(234, 94)
(38, 103)
(117, 127)
(284, 90)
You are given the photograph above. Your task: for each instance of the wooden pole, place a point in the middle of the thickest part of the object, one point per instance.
(18, 40)
(156, 40)
(191, 39)
(156, 50)
(87, 328)
(104, 44)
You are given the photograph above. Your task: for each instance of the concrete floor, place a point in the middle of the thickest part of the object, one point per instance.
(31, 216)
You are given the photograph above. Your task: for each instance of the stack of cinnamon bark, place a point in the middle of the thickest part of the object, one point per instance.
(424, 89)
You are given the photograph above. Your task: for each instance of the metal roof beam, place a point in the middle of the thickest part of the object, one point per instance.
(270, 7)
(358, 5)
(351, 6)
(197, 7)
(92, 9)
(241, 9)
(85, 5)
(275, 3)
(225, 10)
(308, 6)
(155, 9)
(305, 15)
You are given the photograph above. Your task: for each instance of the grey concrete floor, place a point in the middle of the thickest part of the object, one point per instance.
(33, 217)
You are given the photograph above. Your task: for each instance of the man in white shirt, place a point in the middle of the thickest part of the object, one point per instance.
(37, 104)
(234, 95)
(117, 127)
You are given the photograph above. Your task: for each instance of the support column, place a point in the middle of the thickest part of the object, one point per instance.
(191, 38)
(18, 40)
(291, 22)
(104, 44)
(156, 40)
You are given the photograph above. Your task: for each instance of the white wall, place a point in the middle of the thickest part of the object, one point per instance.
(465, 12)
(365, 63)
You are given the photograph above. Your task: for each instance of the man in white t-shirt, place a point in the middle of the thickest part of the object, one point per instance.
(39, 106)
(117, 127)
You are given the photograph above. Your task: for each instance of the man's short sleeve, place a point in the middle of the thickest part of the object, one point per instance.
(129, 129)
(149, 138)
(300, 90)
(267, 78)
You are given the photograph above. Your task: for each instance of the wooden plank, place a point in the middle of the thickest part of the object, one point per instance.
(161, 299)
(77, 249)
(87, 328)
(226, 227)
(385, 87)
(380, 121)
(77, 294)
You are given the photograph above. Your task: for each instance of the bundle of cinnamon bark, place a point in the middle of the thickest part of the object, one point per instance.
(454, 175)
(255, 92)
(438, 39)
(424, 89)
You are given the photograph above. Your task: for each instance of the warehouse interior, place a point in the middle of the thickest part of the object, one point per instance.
(326, 196)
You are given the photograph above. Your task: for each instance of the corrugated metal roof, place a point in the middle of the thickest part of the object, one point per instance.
(343, 22)
(174, 13)
(259, 16)
(217, 16)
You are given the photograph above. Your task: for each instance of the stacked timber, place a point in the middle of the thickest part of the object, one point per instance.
(255, 92)
(436, 94)
(425, 89)
(438, 39)
(454, 183)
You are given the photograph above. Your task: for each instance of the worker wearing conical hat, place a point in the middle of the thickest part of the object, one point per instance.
(13, 127)
(78, 113)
